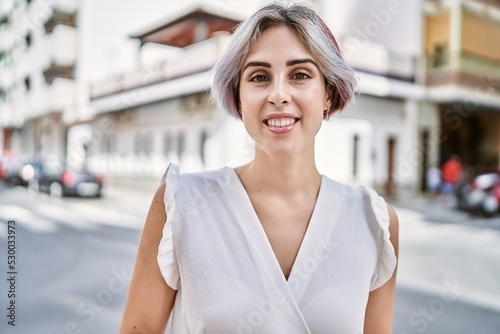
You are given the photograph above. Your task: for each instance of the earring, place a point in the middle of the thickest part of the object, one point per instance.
(326, 113)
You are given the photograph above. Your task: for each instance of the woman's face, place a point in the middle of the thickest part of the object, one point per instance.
(282, 93)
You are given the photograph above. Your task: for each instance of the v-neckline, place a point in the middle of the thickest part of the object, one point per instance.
(258, 225)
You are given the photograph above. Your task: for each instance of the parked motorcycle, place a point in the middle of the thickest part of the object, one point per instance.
(481, 193)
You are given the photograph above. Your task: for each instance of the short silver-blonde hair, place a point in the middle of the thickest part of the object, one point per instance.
(313, 33)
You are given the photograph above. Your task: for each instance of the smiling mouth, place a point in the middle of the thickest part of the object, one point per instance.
(281, 122)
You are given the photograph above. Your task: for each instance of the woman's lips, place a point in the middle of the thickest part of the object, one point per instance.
(281, 124)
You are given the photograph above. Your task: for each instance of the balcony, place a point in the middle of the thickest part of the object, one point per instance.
(59, 95)
(64, 13)
(463, 70)
(53, 98)
(59, 49)
(6, 9)
(54, 71)
(9, 119)
(193, 59)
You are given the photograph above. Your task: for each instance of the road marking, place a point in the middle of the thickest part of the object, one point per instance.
(64, 216)
(108, 217)
(47, 217)
(26, 218)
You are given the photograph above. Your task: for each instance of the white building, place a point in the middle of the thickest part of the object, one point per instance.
(162, 113)
(382, 41)
(37, 64)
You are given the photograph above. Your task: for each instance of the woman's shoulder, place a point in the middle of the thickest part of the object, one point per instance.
(363, 194)
(347, 190)
(220, 175)
(175, 171)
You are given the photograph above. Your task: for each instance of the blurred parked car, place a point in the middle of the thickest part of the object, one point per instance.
(60, 180)
(3, 169)
(20, 172)
(480, 193)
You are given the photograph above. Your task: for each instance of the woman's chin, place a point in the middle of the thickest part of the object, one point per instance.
(282, 152)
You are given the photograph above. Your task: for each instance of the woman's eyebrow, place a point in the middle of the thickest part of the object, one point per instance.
(256, 63)
(301, 61)
(288, 63)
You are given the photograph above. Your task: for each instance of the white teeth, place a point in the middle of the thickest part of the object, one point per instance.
(280, 122)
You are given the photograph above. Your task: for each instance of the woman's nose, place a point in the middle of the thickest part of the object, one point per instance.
(278, 94)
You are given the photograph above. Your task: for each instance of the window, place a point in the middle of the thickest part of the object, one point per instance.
(440, 55)
(181, 143)
(203, 141)
(167, 144)
(27, 84)
(28, 39)
(147, 143)
(355, 156)
(137, 143)
(143, 143)
(107, 144)
(5, 58)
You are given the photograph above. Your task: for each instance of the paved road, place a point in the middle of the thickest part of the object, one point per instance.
(448, 279)
(75, 256)
(74, 261)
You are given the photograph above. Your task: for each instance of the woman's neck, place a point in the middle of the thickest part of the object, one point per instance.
(284, 176)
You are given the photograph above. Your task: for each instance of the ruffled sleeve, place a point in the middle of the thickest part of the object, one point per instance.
(166, 253)
(386, 254)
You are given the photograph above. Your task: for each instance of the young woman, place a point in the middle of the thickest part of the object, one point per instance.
(272, 246)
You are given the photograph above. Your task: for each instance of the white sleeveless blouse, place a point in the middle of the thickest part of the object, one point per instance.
(215, 253)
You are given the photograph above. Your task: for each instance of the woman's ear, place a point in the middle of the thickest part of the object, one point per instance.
(329, 95)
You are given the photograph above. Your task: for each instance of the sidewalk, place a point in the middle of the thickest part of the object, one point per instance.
(131, 196)
(440, 246)
(441, 210)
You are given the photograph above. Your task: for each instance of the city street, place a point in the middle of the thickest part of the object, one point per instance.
(74, 258)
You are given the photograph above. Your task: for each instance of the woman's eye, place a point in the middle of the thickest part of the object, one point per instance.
(259, 78)
(300, 76)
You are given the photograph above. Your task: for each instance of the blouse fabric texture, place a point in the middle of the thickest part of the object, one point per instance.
(215, 253)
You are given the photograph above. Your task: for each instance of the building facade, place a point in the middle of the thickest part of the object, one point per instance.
(37, 63)
(463, 78)
(428, 87)
(163, 113)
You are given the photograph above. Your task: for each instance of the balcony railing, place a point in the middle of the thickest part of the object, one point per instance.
(64, 13)
(482, 66)
(463, 69)
(463, 63)
(52, 98)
